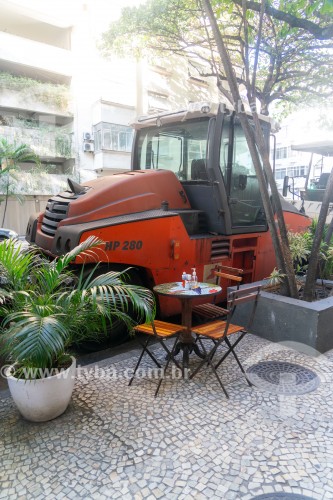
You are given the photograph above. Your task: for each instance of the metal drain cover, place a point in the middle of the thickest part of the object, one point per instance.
(281, 496)
(281, 377)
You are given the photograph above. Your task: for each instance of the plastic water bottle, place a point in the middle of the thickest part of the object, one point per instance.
(188, 282)
(194, 277)
(184, 277)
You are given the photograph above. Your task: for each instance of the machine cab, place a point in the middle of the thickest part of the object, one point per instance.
(206, 149)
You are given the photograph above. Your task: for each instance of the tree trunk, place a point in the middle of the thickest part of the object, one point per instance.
(286, 255)
(329, 233)
(6, 201)
(255, 139)
(311, 274)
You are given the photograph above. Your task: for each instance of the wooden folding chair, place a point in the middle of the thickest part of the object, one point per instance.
(159, 331)
(213, 311)
(220, 331)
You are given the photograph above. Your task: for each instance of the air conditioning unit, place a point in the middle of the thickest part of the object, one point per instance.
(88, 147)
(87, 136)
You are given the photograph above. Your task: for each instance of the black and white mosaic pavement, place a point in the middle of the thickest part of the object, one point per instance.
(190, 442)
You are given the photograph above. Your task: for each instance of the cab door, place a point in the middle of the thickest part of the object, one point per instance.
(241, 183)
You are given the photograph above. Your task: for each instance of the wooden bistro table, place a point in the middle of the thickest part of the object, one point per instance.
(186, 341)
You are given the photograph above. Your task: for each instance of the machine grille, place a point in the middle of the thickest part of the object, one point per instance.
(56, 210)
(220, 248)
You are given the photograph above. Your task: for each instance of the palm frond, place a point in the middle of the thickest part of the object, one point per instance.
(15, 265)
(36, 340)
(84, 248)
(16, 153)
(111, 289)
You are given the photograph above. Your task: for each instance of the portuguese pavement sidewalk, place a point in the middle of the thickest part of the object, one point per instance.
(272, 440)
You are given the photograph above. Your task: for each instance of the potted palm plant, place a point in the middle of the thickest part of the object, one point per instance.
(45, 308)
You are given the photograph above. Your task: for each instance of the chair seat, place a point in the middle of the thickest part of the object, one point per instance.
(162, 329)
(215, 330)
(209, 311)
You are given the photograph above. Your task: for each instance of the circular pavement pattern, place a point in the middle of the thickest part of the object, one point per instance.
(280, 377)
(281, 496)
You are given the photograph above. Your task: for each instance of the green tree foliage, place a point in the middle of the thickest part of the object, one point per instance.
(265, 51)
(12, 154)
(312, 16)
(291, 64)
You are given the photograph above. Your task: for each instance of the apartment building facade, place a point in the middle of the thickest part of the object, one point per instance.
(73, 107)
(60, 96)
(36, 106)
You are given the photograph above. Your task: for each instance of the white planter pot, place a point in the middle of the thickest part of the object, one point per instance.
(43, 399)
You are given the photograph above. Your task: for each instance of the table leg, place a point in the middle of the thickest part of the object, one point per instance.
(186, 341)
(186, 336)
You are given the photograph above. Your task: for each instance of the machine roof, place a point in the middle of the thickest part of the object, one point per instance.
(324, 148)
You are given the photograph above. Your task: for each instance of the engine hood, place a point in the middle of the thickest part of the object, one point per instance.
(125, 193)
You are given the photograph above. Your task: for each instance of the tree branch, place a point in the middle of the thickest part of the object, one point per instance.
(319, 32)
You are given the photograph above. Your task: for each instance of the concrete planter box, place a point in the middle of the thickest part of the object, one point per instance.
(281, 319)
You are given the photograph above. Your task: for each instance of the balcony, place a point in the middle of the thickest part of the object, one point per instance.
(18, 92)
(48, 143)
(35, 58)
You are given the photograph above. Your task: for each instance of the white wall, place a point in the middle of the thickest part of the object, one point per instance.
(17, 214)
(25, 52)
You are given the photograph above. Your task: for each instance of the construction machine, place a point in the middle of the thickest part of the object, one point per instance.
(190, 200)
(311, 196)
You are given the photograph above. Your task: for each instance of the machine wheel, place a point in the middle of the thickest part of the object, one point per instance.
(117, 332)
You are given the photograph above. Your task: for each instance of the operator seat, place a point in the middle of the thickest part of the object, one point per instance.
(198, 170)
(322, 183)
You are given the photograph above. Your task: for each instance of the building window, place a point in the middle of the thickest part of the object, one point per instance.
(293, 171)
(161, 70)
(157, 102)
(297, 171)
(281, 153)
(280, 173)
(198, 81)
(197, 73)
(113, 137)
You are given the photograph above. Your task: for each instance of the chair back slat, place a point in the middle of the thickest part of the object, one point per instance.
(244, 299)
(243, 292)
(228, 276)
(242, 296)
(231, 270)
(213, 310)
